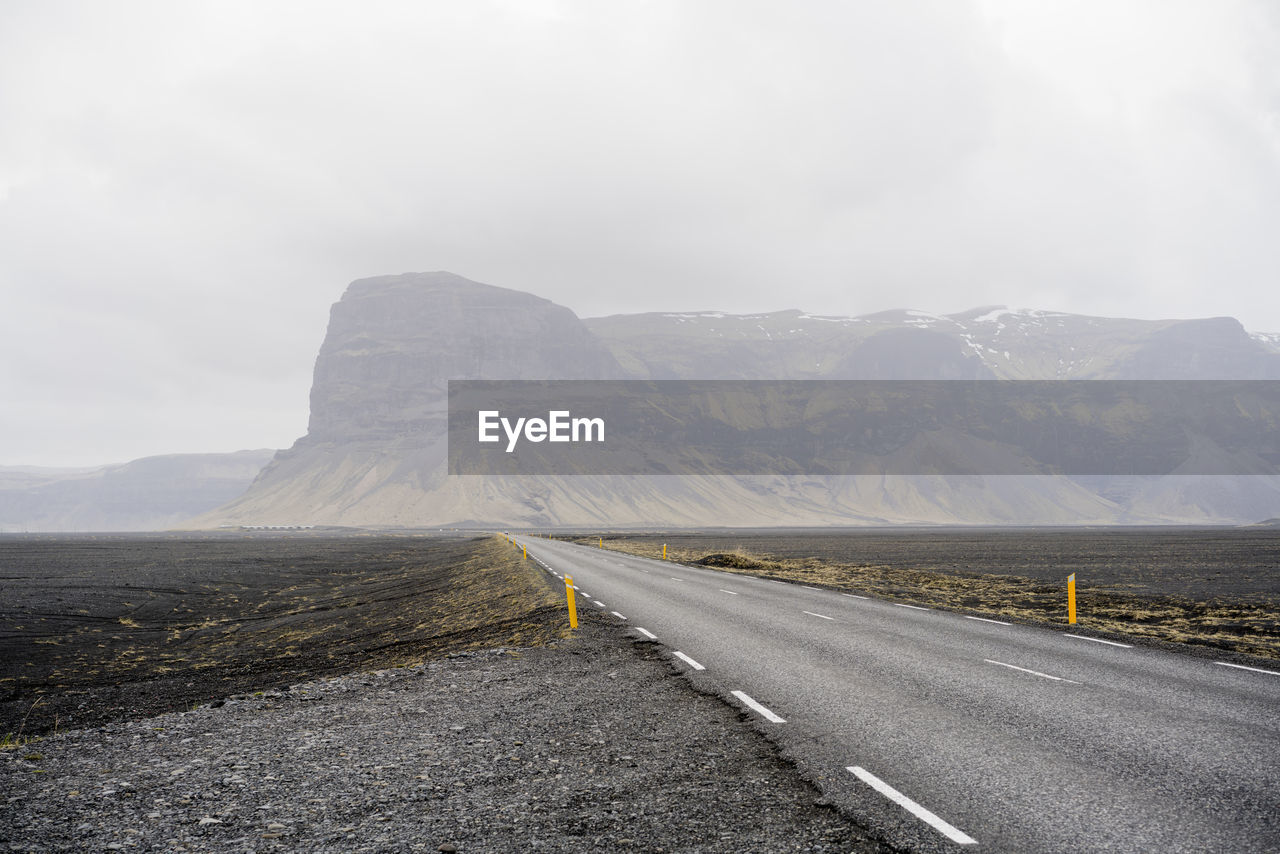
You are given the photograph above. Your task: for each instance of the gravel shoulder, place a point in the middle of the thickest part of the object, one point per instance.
(594, 742)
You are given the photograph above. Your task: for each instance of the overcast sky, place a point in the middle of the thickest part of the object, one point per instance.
(185, 188)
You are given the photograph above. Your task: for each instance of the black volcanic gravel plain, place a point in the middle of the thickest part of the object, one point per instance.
(96, 628)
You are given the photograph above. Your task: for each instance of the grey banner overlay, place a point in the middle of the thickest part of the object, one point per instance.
(861, 427)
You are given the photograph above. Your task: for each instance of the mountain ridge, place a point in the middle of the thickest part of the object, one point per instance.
(146, 494)
(375, 449)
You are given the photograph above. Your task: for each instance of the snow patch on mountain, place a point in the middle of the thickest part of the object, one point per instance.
(1270, 340)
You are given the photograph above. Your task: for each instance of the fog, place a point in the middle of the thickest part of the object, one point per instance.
(186, 188)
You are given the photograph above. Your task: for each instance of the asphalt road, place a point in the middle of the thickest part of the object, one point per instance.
(941, 731)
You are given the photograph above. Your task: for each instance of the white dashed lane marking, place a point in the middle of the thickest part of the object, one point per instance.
(916, 607)
(948, 830)
(687, 660)
(855, 596)
(730, 592)
(616, 614)
(650, 635)
(758, 709)
(1242, 667)
(1100, 640)
(819, 616)
(986, 620)
(1032, 672)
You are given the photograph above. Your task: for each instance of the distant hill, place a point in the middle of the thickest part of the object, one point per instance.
(374, 454)
(150, 494)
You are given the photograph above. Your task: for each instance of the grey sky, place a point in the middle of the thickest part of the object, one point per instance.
(186, 187)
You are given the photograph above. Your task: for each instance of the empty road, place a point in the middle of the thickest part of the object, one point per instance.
(944, 732)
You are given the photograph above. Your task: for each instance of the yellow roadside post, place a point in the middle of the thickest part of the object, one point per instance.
(1071, 598)
(573, 606)
(664, 551)
(526, 552)
(601, 543)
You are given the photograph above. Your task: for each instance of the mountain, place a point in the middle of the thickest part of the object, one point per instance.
(375, 447)
(149, 494)
(984, 343)
(395, 341)
(374, 453)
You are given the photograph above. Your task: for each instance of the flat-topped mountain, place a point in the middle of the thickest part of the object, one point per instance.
(394, 342)
(374, 454)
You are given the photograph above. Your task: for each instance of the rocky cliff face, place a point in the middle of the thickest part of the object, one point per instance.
(394, 342)
(374, 454)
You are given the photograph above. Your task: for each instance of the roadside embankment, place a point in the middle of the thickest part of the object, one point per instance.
(590, 743)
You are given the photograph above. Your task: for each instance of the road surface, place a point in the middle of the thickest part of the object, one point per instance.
(943, 732)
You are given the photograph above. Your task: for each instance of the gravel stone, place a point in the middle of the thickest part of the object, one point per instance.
(595, 743)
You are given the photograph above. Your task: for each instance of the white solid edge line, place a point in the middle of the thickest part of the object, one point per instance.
(650, 635)
(820, 616)
(730, 592)
(948, 830)
(855, 596)
(916, 607)
(1242, 667)
(987, 620)
(1032, 672)
(616, 614)
(759, 709)
(689, 661)
(1098, 640)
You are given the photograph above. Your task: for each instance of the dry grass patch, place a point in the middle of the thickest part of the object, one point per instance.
(1246, 627)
